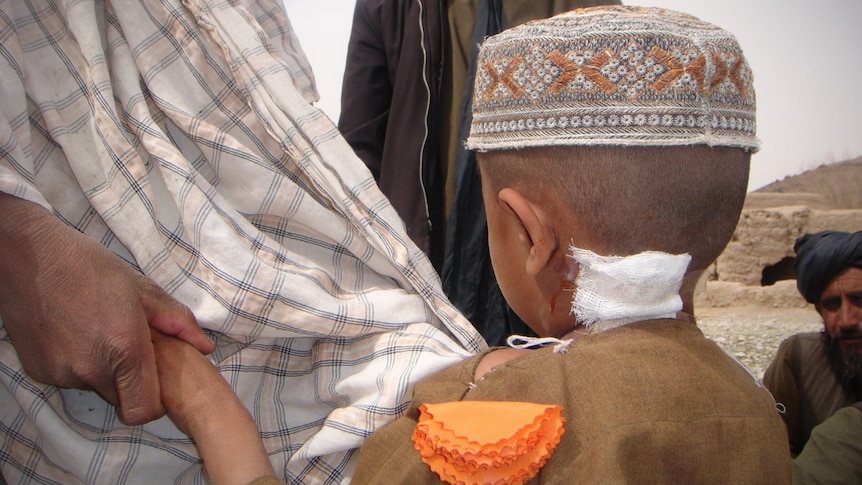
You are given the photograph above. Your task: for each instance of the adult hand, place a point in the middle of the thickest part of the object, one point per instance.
(79, 316)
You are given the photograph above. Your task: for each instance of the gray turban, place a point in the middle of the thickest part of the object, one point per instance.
(822, 256)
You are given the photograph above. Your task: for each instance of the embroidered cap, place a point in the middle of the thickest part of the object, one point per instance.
(613, 75)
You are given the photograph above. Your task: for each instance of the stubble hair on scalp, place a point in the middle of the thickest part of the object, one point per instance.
(675, 199)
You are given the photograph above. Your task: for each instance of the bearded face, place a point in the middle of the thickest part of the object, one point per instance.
(840, 306)
(845, 356)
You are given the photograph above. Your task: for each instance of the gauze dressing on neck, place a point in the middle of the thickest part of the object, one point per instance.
(617, 290)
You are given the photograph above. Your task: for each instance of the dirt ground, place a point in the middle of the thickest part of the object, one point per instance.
(752, 334)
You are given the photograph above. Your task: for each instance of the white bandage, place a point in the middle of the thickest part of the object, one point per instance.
(616, 290)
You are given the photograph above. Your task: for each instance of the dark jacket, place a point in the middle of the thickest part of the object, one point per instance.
(390, 106)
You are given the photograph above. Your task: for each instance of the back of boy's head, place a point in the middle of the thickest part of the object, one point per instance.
(642, 119)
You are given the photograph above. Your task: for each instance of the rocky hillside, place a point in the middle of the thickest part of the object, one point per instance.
(838, 185)
(756, 268)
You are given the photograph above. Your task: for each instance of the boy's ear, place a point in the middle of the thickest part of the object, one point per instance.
(536, 231)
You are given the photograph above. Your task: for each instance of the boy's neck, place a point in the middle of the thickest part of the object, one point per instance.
(688, 289)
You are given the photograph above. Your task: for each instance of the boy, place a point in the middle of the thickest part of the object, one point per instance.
(614, 153)
(614, 147)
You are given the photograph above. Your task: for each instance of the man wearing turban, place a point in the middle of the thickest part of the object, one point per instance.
(815, 374)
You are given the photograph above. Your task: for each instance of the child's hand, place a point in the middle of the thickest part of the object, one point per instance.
(190, 384)
(201, 404)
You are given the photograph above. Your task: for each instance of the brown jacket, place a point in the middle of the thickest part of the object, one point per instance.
(804, 383)
(651, 402)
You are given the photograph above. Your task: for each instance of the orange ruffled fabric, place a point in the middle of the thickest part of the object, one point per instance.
(487, 442)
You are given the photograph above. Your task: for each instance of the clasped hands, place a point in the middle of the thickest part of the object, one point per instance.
(81, 317)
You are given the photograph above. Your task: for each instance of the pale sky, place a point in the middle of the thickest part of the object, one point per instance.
(806, 57)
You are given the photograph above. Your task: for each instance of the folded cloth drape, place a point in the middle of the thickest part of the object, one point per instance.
(181, 135)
